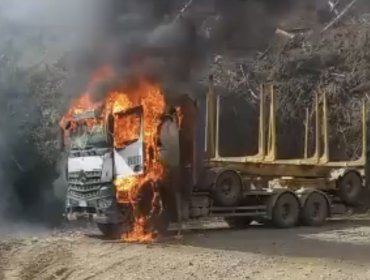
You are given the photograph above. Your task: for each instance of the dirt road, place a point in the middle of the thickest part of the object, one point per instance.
(340, 250)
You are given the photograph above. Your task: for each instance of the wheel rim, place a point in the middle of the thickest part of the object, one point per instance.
(226, 186)
(349, 187)
(228, 189)
(315, 211)
(286, 211)
(316, 208)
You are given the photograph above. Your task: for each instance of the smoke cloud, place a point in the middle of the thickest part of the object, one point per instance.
(37, 40)
(148, 39)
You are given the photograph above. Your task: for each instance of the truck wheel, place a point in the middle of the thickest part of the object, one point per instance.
(350, 188)
(144, 198)
(315, 210)
(161, 222)
(286, 210)
(228, 189)
(148, 205)
(238, 222)
(111, 231)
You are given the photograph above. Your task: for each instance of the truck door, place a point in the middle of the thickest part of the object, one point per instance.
(128, 138)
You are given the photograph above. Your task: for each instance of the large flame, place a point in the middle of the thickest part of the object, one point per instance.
(84, 102)
(149, 96)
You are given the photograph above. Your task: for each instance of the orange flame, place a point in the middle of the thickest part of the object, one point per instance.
(149, 96)
(84, 103)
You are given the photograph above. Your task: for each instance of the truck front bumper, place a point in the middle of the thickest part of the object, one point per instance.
(100, 210)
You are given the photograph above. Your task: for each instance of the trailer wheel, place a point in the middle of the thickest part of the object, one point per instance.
(228, 189)
(286, 210)
(315, 210)
(238, 222)
(350, 188)
(111, 231)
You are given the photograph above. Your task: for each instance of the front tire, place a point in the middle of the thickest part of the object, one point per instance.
(111, 231)
(148, 204)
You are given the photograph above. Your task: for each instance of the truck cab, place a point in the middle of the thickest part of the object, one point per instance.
(97, 157)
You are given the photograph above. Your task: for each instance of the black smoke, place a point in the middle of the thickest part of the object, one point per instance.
(155, 40)
(148, 39)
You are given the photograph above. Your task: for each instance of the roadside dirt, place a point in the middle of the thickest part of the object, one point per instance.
(340, 250)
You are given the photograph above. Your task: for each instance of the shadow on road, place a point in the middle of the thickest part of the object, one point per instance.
(347, 240)
(341, 239)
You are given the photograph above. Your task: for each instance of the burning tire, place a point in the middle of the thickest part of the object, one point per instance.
(144, 199)
(315, 210)
(286, 210)
(115, 230)
(350, 188)
(148, 204)
(228, 189)
(238, 222)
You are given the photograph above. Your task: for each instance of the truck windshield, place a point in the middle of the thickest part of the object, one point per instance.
(84, 136)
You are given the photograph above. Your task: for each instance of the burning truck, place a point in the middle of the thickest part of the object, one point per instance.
(118, 176)
(113, 160)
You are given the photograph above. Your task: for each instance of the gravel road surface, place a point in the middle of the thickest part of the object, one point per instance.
(340, 250)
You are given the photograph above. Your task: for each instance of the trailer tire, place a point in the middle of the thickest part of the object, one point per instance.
(315, 210)
(228, 189)
(286, 210)
(238, 222)
(350, 188)
(111, 231)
